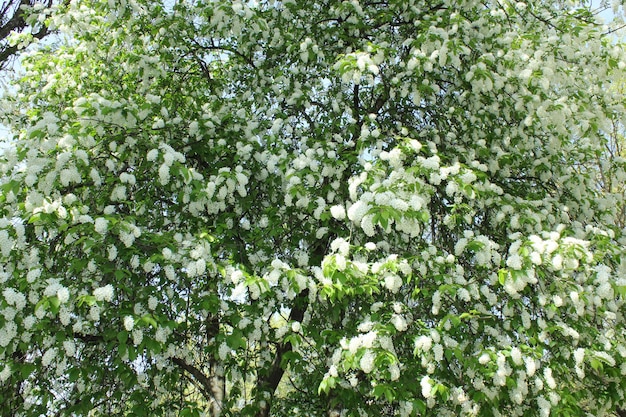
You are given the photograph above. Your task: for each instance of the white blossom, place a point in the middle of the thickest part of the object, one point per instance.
(63, 295)
(423, 343)
(367, 361)
(393, 283)
(516, 356)
(101, 225)
(129, 323)
(338, 212)
(104, 293)
(357, 210)
(48, 357)
(426, 385)
(549, 379)
(70, 348)
(399, 322)
(5, 373)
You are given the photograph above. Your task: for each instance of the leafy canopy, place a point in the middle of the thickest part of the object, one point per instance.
(314, 208)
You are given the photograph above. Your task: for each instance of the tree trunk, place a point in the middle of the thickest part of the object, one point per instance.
(267, 384)
(11, 398)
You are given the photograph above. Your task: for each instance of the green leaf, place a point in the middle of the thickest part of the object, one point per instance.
(188, 412)
(236, 341)
(327, 384)
(26, 369)
(384, 219)
(596, 364)
(384, 390)
(152, 345)
(475, 246)
(423, 216)
(328, 266)
(502, 276)
(90, 300)
(35, 218)
(478, 396)
(55, 304)
(132, 353)
(149, 320)
(122, 336)
(511, 383)
(420, 406)
(73, 374)
(290, 357)
(122, 349)
(120, 274)
(293, 338)
(444, 391)
(37, 134)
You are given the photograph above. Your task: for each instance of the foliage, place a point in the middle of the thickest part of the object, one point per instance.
(314, 208)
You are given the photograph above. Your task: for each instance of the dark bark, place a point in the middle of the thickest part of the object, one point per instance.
(211, 384)
(13, 18)
(11, 398)
(270, 381)
(205, 383)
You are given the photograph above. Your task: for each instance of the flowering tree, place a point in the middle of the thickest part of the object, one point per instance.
(314, 208)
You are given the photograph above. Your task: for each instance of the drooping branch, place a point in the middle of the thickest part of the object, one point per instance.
(207, 384)
(17, 22)
(204, 381)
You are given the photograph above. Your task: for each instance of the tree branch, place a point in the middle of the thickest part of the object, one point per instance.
(206, 383)
(18, 22)
(199, 376)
